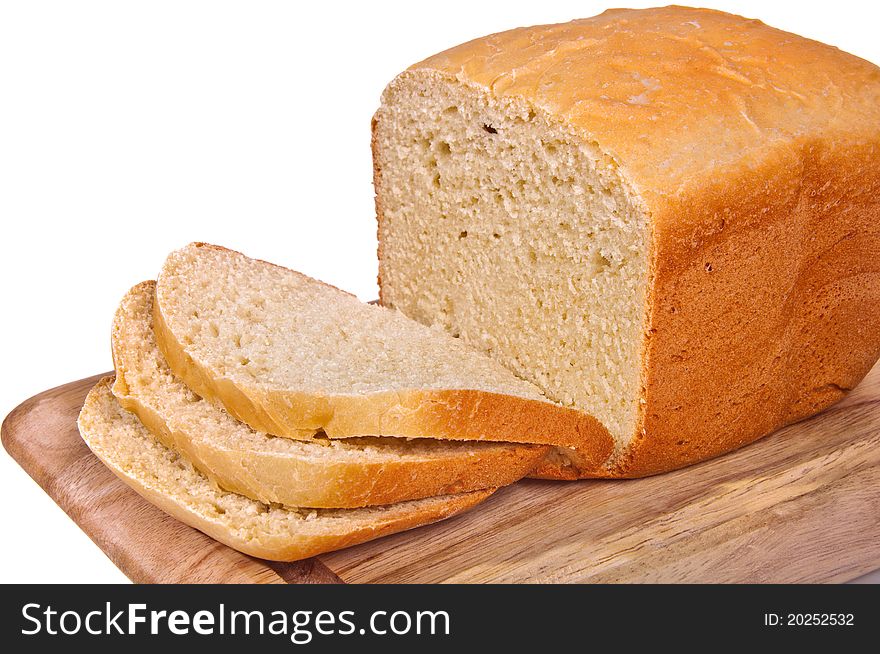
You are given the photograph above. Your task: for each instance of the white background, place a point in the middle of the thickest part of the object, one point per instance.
(128, 129)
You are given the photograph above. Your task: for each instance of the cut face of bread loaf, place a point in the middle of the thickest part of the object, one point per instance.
(344, 473)
(666, 218)
(475, 237)
(268, 531)
(289, 355)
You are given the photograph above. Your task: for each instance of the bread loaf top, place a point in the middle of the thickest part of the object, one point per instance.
(674, 95)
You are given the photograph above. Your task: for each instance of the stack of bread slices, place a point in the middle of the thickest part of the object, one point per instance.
(286, 418)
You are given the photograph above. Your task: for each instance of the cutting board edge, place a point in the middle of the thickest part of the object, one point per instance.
(308, 571)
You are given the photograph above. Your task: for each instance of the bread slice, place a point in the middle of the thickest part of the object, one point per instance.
(286, 353)
(667, 218)
(343, 473)
(269, 531)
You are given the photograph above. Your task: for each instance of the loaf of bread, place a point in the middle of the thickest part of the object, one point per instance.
(666, 218)
(339, 473)
(289, 355)
(269, 531)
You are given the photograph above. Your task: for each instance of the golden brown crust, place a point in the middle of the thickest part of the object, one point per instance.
(323, 482)
(562, 464)
(756, 154)
(297, 543)
(295, 547)
(774, 316)
(444, 414)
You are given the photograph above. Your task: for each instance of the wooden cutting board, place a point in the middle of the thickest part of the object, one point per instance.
(802, 505)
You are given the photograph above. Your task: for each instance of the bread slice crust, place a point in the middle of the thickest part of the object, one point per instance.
(268, 531)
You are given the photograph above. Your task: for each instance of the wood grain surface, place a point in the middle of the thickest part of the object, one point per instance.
(148, 545)
(802, 505)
